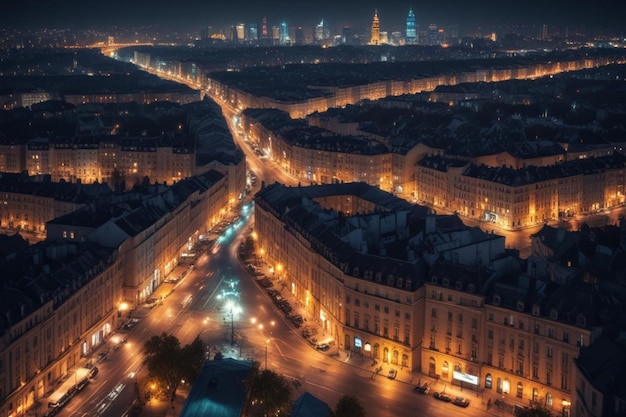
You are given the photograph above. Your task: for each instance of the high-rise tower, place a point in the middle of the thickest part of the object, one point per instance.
(375, 39)
(284, 38)
(411, 33)
(264, 34)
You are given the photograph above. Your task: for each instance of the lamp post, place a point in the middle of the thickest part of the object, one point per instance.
(268, 339)
(152, 387)
(232, 326)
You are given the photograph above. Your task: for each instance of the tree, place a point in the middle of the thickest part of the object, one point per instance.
(193, 358)
(349, 406)
(269, 393)
(168, 363)
(536, 410)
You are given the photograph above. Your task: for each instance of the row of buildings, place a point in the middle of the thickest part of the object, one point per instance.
(514, 198)
(392, 282)
(96, 154)
(104, 255)
(538, 184)
(245, 90)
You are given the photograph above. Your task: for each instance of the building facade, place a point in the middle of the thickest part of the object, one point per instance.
(410, 36)
(525, 197)
(375, 35)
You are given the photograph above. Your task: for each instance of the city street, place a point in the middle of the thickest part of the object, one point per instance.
(251, 328)
(221, 302)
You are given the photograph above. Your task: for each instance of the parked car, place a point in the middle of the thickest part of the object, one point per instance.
(441, 396)
(422, 389)
(392, 373)
(323, 347)
(461, 402)
(297, 320)
(92, 372)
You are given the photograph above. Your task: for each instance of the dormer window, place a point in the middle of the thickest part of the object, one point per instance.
(390, 279)
(434, 279)
(581, 320)
(554, 314)
(446, 282)
(471, 288)
(520, 306)
(536, 311)
(459, 285)
(496, 300)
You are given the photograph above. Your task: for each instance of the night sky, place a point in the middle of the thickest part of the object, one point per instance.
(191, 14)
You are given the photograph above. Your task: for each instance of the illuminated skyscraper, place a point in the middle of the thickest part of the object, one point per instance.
(264, 33)
(346, 35)
(298, 37)
(240, 32)
(434, 35)
(375, 39)
(411, 32)
(253, 31)
(284, 38)
(319, 31)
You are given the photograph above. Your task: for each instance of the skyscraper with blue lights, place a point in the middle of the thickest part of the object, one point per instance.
(411, 32)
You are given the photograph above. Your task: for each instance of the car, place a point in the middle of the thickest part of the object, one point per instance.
(92, 372)
(442, 396)
(392, 373)
(461, 402)
(422, 389)
(322, 347)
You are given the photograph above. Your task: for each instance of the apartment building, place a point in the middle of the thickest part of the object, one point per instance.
(53, 315)
(27, 203)
(525, 197)
(355, 257)
(151, 237)
(61, 297)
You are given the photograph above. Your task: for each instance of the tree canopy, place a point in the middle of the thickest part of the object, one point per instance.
(169, 363)
(349, 406)
(269, 394)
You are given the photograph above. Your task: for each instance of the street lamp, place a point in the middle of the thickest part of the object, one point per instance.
(152, 387)
(268, 339)
(234, 309)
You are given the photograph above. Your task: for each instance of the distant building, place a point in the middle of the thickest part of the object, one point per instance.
(322, 33)
(253, 32)
(29, 202)
(347, 36)
(264, 30)
(435, 36)
(240, 32)
(298, 35)
(283, 38)
(275, 35)
(529, 196)
(375, 37)
(411, 30)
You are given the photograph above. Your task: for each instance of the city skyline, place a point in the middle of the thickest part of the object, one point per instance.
(192, 14)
